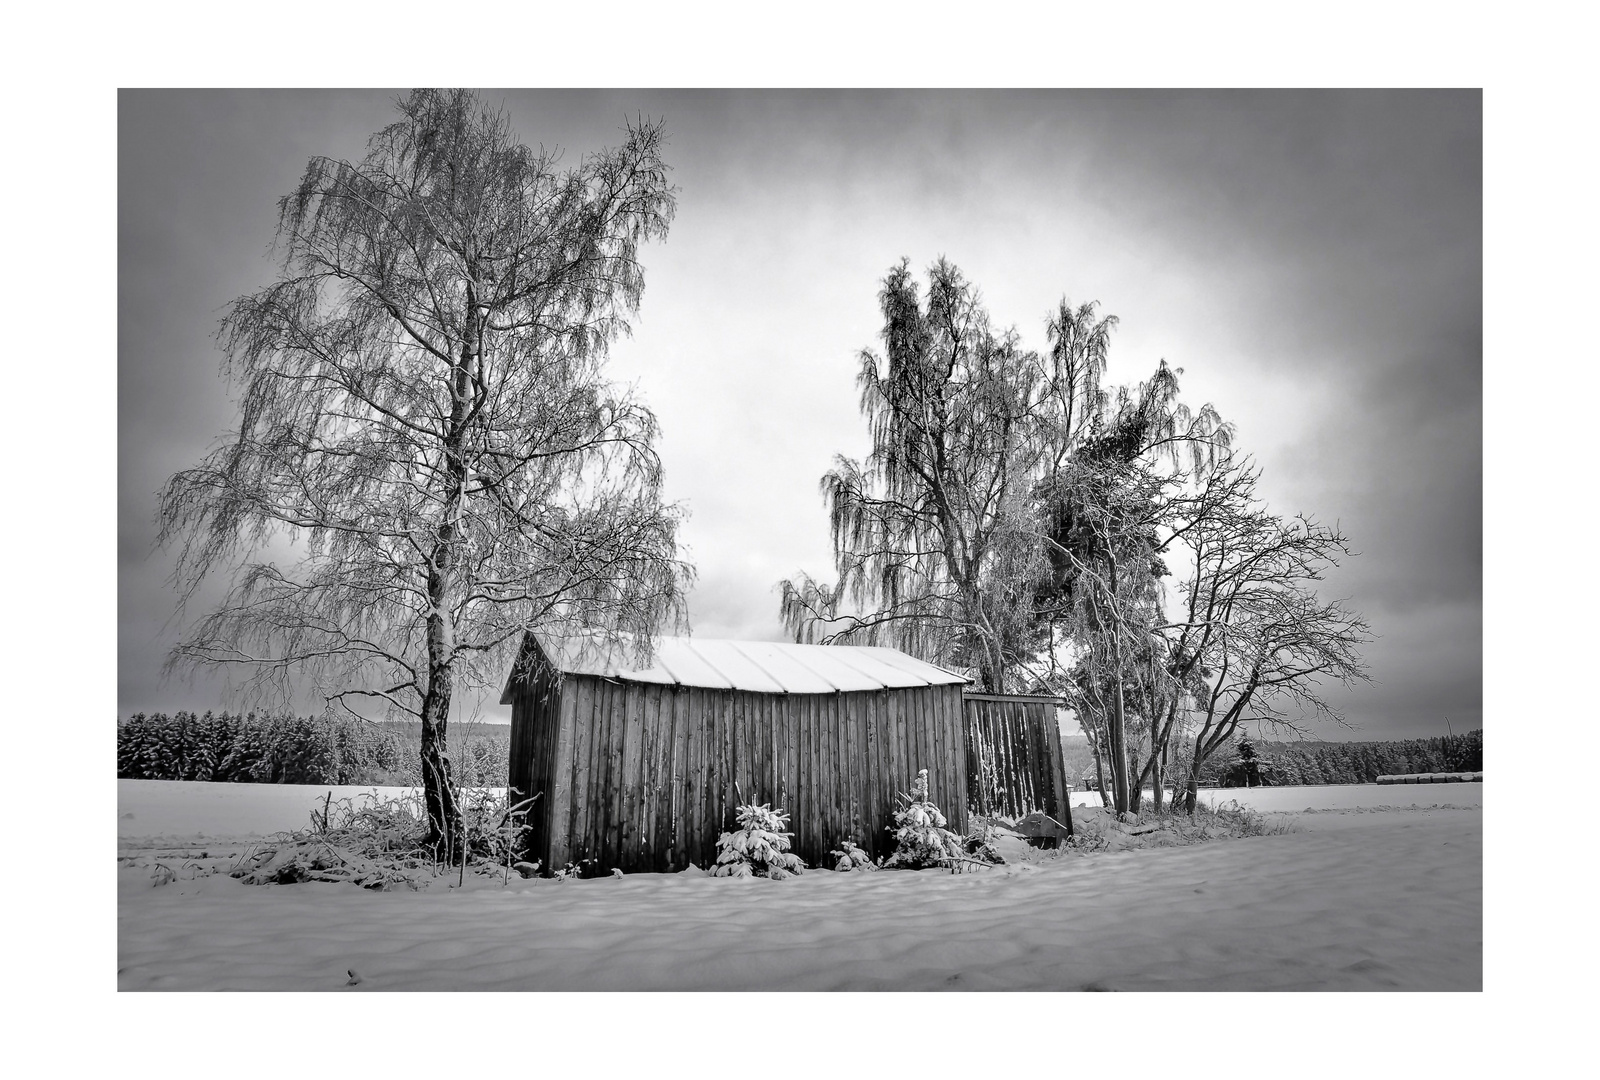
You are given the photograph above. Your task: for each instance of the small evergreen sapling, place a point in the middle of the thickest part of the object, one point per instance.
(759, 848)
(920, 836)
(852, 858)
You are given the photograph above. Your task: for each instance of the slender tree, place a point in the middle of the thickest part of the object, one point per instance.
(1254, 640)
(1077, 401)
(1170, 690)
(932, 538)
(1104, 545)
(424, 419)
(1107, 521)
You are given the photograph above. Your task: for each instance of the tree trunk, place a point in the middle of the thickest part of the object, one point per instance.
(991, 661)
(1135, 779)
(1116, 740)
(1095, 745)
(1116, 722)
(445, 834)
(1191, 784)
(438, 788)
(1160, 778)
(1154, 769)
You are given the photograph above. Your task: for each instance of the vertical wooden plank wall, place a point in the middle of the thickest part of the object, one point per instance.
(573, 844)
(536, 710)
(1013, 758)
(1058, 759)
(646, 777)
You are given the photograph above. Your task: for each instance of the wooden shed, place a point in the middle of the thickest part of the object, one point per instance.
(642, 768)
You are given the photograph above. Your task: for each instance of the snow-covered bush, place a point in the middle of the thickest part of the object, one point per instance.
(920, 836)
(495, 829)
(378, 841)
(759, 848)
(979, 843)
(852, 858)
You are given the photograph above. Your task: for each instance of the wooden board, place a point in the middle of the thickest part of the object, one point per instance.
(558, 769)
(676, 800)
(576, 767)
(655, 743)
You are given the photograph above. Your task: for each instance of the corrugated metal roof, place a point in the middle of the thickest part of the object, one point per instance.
(767, 667)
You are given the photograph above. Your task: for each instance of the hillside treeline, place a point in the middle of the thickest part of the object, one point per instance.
(1283, 764)
(254, 749)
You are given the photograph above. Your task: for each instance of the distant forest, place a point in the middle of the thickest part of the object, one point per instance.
(1281, 764)
(254, 749)
(1277, 764)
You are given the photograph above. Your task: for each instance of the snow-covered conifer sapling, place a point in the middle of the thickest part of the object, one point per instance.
(759, 848)
(852, 858)
(919, 833)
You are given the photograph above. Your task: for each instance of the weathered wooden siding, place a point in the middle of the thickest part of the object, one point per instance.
(646, 777)
(1013, 758)
(534, 742)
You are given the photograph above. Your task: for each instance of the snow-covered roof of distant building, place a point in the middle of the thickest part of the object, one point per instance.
(767, 667)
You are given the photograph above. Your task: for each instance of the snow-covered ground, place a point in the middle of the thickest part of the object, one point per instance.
(1351, 900)
(1327, 796)
(156, 813)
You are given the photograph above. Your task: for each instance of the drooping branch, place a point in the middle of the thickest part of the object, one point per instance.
(425, 426)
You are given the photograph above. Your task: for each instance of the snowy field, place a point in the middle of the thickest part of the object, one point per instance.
(160, 813)
(1353, 899)
(1327, 796)
(154, 813)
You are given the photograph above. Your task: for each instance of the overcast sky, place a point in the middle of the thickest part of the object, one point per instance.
(1313, 261)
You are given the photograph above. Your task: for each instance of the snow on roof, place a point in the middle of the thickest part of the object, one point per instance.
(767, 667)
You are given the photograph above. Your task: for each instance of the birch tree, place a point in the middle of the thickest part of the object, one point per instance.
(932, 533)
(424, 416)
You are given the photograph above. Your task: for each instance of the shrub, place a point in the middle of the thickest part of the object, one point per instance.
(496, 831)
(379, 842)
(481, 762)
(852, 858)
(759, 848)
(371, 841)
(920, 836)
(1232, 819)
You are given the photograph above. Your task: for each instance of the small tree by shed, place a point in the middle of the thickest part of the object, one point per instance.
(641, 767)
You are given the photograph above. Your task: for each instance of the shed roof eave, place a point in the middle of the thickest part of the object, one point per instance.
(755, 666)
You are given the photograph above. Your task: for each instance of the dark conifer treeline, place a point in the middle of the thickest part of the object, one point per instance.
(1283, 764)
(252, 749)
